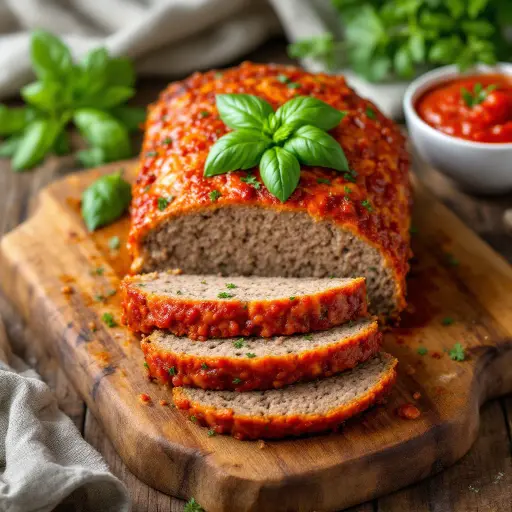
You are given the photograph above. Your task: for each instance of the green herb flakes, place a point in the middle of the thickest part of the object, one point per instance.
(224, 295)
(192, 506)
(172, 371)
(347, 190)
(193, 419)
(204, 113)
(422, 351)
(447, 320)
(293, 298)
(108, 319)
(366, 204)
(151, 154)
(325, 181)
(239, 343)
(293, 85)
(308, 337)
(204, 366)
(114, 243)
(283, 79)
(211, 433)
(98, 271)
(179, 292)
(214, 195)
(371, 113)
(146, 365)
(167, 141)
(236, 380)
(251, 180)
(164, 202)
(457, 353)
(250, 355)
(99, 298)
(231, 286)
(203, 282)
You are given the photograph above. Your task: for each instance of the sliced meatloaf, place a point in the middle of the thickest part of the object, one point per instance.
(245, 364)
(203, 307)
(342, 224)
(295, 410)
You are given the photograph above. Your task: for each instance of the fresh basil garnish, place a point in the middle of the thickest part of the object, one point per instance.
(313, 146)
(277, 141)
(236, 150)
(280, 172)
(105, 200)
(239, 111)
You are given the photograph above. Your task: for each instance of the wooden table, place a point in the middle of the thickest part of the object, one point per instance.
(481, 481)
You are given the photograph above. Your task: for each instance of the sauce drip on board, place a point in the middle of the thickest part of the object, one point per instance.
(476, 108)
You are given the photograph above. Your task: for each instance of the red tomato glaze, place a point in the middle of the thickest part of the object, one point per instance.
(477, 108)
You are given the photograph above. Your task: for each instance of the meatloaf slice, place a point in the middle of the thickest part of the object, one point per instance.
(343, 224)
(203, 307)
(295, 410)
(245, 364)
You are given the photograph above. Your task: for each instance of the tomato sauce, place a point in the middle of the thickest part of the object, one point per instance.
(476, 108)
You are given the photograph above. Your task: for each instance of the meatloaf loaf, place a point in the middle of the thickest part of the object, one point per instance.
(295, 410)
(203, 307)
(343, 224)
(244, 364)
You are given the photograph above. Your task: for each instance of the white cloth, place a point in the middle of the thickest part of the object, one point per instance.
(43, 457)
(170, 37)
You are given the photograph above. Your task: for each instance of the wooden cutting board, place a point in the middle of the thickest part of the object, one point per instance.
(454, 274)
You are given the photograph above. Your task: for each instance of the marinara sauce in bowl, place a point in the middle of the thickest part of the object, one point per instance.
(462, 124)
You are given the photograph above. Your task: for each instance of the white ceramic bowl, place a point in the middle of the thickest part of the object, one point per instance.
(484, 168)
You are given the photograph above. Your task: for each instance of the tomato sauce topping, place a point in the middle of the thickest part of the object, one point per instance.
(476, 108)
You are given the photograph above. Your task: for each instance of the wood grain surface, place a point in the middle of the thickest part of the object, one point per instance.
(480, 481)
(454, 274)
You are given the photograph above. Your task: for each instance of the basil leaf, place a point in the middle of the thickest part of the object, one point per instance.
(105, 200)
(242, 111)
(94, 66)
(236, 150)
(403, 62)
(12, 120)
(50, 56)
(37, 140)
(61, 146)
(131, 117)
(9, 146)
(313, 146)
(92, 157)
(308, 110)
(120, 72)
(105, 132)
(44, 95)
(109, 97)
(280, 172)
(417, 47)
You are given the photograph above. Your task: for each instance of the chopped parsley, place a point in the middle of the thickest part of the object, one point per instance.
(457, 353)
(347, 189)
(236, 380)
(146, 365)
(250, 355)
(167, 140)
(214, 195)
(224, 295)
(476, 96)
(350, 176)
(151, 153)
(163, 202)
(230, 286)
(239, 343)
(179, 292)
(293, 85)
(251, 180)
(293, 298)
(114, 243)
(99, 271)
(211, 432)
(447, 320)
(204, 366)
(324, 181)
(203, 282)
(108, 318)
(172, 371)
(366, 204)
(193, 419)
(204, 113)
(283, 79)
(371, 113)
(193, 506)
(422, 351)
(309, 337)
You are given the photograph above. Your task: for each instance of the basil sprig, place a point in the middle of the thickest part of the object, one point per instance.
(105, 200)
(89, 93)
(278, 141)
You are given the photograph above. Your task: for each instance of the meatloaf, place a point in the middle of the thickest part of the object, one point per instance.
(244, 364)
(342, 224)
(295, 410)
(203, 307)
